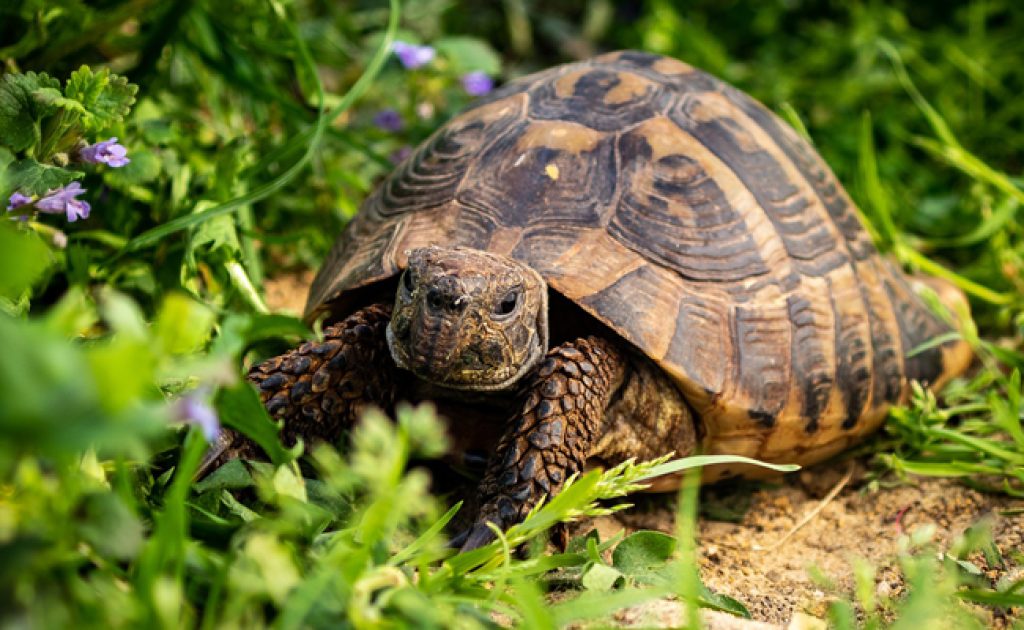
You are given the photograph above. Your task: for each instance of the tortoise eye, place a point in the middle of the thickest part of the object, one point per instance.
(407, 280)
(508, 303)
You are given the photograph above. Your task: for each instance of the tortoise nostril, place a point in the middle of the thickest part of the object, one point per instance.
(435, 300)
(438, 299)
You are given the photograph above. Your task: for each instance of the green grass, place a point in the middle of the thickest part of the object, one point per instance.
(252, 142)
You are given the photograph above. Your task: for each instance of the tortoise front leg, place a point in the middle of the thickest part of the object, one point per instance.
(319, 388)
(562, 413)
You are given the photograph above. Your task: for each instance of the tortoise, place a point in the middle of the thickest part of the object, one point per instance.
(620, 257)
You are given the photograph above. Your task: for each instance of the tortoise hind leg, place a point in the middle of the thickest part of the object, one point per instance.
(560, 419)
(319, 388)
(648, 418)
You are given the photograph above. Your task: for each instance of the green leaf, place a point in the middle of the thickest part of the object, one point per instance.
(240, 408)
(164, 551)
(73, 315)
(51, 98)
(6, 158)
(110, 526)
(107, 98)
(122, 314)
(685, 463)
(32, 178)
(287, 482)
(237, 332)
(724, 603)
(991, 597)
(467, 54)
(183, 325)
(218, 236)
(274, 563)
(123, 371)
(233, 475)
(420, 543)
(20, 111)
(55, 395)
(642, 551)
(602, 577)
(579, 544)
(24, 257)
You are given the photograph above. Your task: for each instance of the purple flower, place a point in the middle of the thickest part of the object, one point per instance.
(18, 200)
(413, 56)
(192, 409)
(477, 83)
(398, 155)
(63, 200)
(389, 120)
(108, 152)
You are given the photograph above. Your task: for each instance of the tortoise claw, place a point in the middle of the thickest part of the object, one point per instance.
(459, 539)
(475, 537)
(217, 452)
(475, 460)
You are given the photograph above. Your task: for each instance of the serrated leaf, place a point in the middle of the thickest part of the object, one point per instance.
(106, 97)
(20, 112)
(32, 178)
(51, 98)
(467, 54)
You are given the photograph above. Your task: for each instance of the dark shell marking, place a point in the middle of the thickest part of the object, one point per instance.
(689, 219)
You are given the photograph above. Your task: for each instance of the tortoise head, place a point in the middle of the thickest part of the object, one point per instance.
(468, 319)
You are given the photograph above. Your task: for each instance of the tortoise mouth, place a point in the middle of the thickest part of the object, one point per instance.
(461, 378)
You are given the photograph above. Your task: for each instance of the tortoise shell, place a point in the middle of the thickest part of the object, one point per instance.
(691, 221)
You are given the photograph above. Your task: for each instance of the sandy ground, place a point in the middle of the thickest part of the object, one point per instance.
(286, 293)
(746, 559)
(751, 561)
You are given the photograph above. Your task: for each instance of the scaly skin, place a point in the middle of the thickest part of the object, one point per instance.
(561, 416)
(319, 388)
